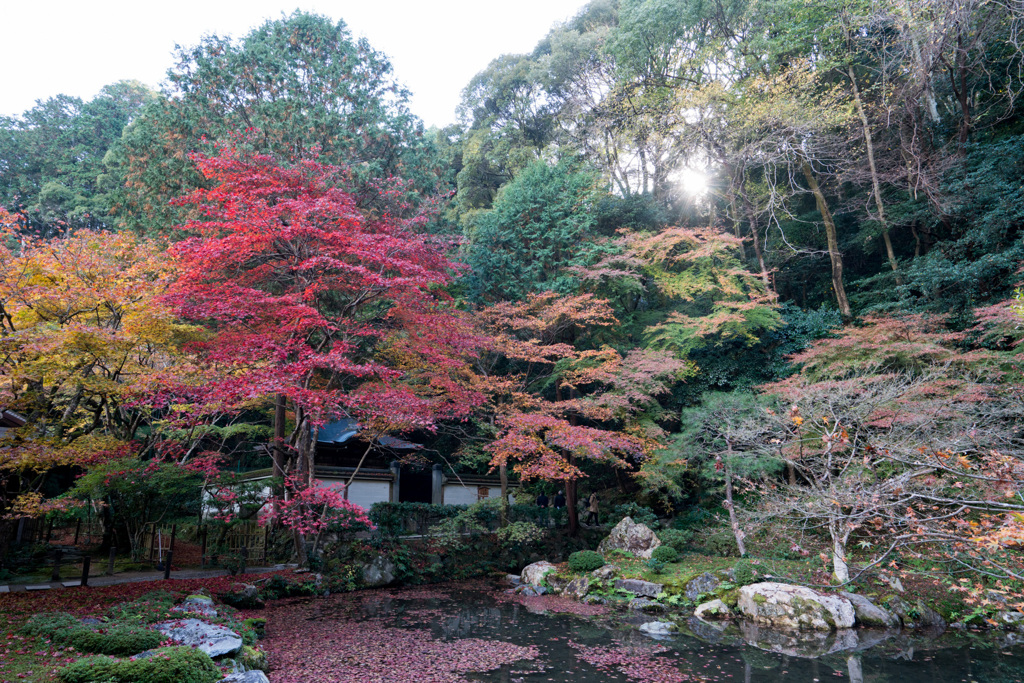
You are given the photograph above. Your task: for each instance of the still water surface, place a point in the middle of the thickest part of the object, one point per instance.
(700, 653)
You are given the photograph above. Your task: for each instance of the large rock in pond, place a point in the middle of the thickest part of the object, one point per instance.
(378, 572)
(636, 539)
(533, 574)
(869, 614)
(214, 640)
(784, 606)
(701, 585)
(645, 589)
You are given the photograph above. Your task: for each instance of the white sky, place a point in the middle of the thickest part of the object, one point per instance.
(76, 47)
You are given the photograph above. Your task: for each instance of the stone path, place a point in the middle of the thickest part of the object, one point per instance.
(135, 577)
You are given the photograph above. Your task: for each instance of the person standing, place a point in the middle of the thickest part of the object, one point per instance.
(592, 509)
(542, 500)
(559, 500)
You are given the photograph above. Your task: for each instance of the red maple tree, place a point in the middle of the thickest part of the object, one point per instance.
(314, 306)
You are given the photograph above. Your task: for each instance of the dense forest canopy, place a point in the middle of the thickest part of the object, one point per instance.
(680, 246)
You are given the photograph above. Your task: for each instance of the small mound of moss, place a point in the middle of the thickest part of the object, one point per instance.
(166, 665)
(666, 554)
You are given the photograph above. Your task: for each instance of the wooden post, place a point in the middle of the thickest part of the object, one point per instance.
(55, 576)
(167, 565)
(174, 532)
(49, 530)
(78, 529)
(152, 543)
(110, 562)
(86, 562)
(245, 558)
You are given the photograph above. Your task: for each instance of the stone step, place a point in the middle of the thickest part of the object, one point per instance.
(38, 587)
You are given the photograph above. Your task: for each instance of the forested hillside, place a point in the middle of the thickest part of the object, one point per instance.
(749, 263)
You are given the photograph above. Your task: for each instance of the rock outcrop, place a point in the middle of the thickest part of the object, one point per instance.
(378, 572)
(636, 539)
(214, 640)
(784, 606)
(869, 614)
(533, 574)
(701, 585)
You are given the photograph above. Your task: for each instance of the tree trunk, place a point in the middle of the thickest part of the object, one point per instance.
(733, 522)
(503, 474)
(875, 184)
(570, 506)
(279, 453)
(840, 570)
(752, 217)
(833, 240)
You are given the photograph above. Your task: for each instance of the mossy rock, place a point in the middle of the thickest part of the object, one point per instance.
(252, 658)
(759, 599)
(730, 597)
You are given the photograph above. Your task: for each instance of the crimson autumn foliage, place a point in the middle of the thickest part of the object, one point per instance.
(556, 400)
(308, 299)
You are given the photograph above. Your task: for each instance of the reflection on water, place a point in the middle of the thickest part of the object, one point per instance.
(705, 651)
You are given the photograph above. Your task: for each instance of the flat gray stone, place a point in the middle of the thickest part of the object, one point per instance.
(253, 676)
(71, 584)
(645, 605)
(39, 587)
(214, 640)
(5, 589)
(196, 604)
(646, 589)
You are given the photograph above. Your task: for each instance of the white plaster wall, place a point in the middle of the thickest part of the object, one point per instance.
(366, 493)
(457, 494)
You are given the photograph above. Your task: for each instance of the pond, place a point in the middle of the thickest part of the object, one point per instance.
(474, 631)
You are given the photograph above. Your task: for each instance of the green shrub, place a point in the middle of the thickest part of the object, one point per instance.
(520, 533)
(166, 665)
(638, 513)
(585, 561)
(721, 543)
(257, 624)
(693, 518)
(655, 565)
(48, 624)
(113, 639)
(675, 538)
(746, 573)
(666, 554)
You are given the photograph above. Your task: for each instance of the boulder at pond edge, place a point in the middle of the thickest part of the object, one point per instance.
(636, 539)
(784, 606)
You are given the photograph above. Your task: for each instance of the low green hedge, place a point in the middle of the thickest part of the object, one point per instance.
(166, 665)
(585, 561)
(666, 554)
